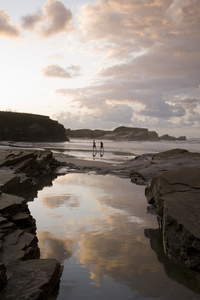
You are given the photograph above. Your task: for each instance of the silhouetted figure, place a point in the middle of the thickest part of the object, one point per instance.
(101, 149)
(94, 148)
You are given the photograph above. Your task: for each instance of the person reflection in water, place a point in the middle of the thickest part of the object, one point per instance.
(101, 149)
(94, 148)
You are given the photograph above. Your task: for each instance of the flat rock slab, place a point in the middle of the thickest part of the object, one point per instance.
(146, 166)
(10, 204)
(31, 279)
(8, 179)
(176, 198)
(19, 245)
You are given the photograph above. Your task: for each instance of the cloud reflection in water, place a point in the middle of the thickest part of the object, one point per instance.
(97, 223)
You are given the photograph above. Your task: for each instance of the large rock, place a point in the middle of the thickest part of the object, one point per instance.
(29, 127)
(23, 172)
(146, 166)
(167, 137)
(121, 133)
(33, 279)
(18, 239)
(176, 197)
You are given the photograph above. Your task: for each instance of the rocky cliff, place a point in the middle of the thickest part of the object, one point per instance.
(22, 127)
(121, 133)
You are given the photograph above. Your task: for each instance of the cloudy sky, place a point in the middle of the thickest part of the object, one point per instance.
(103, 63)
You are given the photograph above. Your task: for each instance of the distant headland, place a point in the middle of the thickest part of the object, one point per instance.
(25, 127)
(122, 133)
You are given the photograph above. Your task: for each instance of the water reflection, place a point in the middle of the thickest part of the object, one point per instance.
(53, 246)
(175, 270)
(95, 226)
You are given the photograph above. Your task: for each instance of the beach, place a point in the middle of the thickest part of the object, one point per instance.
(93, 219)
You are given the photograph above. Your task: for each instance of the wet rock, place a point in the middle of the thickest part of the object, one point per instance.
(176, 197)
(174, 269)
(23, 172)
(32, 279)
(17, 230)
(146, 166)
(3, 276)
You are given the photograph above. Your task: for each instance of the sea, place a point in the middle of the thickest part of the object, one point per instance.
(114, 151)
(99, 229)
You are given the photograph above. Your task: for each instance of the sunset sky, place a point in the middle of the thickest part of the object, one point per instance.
(103, 63)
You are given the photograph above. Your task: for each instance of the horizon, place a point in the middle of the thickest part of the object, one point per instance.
(93, 129)
(139, 67)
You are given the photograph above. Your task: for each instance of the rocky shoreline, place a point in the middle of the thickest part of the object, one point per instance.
(22, 274)
(173, 189)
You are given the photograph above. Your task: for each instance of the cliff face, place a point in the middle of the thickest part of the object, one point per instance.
(121, 133)
(24, 127)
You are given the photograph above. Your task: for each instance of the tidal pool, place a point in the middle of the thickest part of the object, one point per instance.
(98, 228)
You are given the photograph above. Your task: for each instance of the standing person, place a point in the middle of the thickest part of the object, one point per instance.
(94, 148)
(101, 149)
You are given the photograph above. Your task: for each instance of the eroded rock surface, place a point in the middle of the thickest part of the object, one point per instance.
(32, 279)
(22, 274)
(146, 166)
(176, 197)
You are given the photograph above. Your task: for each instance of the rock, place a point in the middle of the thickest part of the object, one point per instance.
(181, 138)
(23, 172)
(167, 137)
(176, 198)
(19, 245)
(17, 230)
(174, 270)
(32, 279)
(121, 133)
(30, 128)
(3, 276)
(149, 165)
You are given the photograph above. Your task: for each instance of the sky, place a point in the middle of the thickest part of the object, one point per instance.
(104, 63)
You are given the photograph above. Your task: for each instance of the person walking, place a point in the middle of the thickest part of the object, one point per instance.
(94, 148)
(101, 149)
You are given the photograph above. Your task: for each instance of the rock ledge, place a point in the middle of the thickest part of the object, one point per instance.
(175, 196)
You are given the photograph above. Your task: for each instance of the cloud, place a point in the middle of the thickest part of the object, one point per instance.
(106, 116)
(150, 64)
(176, 9)
(6, 28)
(55, 71)
(29, 21)
(54, 19)
(74, 70)
(59, 72)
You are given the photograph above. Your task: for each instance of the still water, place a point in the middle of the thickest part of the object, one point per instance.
(97, 227)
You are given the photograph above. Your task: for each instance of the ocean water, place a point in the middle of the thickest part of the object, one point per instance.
(116, 151)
